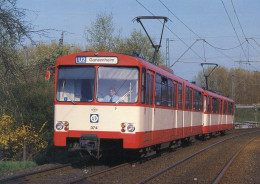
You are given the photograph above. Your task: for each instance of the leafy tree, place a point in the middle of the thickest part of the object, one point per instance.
(138, 43)
(246, 84)
(101, 33)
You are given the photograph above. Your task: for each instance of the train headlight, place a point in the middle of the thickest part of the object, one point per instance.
(123, 125)
(59, 125)
(130, 127)
(66, 123)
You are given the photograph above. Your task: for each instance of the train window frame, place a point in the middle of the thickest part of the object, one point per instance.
(147, 89)
(70, 97)
(230, 108)
(122, 94)
(209, 107)
(180, 95)
(225, 107)
(174, 95)
(221, 106)
(158, 91)
(205, 98)
(143, 85)
(215, 105)
(188, 98)
(170, 93)
(198, 101)
(151, 89)
(164, 91)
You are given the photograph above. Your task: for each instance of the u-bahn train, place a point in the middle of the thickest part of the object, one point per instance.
(105, 100)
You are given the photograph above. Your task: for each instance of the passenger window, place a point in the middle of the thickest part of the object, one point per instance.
(225, 107)
(164, 92)
(209, 104)
(147, 88)
(158, 87)
(151, 90)
(188, 98)
(215, 105)
(174, 94)
(180, 95)
(205, 104)
(221, 106)
(169, 93)
(143, 85)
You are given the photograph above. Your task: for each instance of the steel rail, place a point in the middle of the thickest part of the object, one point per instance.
(99, 172)
(187, 158)
(33, 173)
(220, 175)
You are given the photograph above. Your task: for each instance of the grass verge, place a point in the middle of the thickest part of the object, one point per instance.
(15, 165)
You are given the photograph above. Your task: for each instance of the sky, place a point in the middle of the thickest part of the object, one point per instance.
(200, 31)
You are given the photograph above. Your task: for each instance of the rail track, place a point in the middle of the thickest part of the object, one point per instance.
(152, 178)
(114, 174)
(24, 175)
(223, 171)
(95, 172)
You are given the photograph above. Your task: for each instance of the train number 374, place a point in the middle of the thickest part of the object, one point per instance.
(93, 127)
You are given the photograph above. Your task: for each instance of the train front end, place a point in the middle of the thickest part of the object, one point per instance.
(96, 102)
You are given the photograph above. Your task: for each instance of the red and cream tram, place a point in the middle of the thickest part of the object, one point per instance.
(151, 105)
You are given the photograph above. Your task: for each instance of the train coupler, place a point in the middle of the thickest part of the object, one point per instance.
(90, 143)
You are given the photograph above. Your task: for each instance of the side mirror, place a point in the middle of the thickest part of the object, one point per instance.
(48, 73)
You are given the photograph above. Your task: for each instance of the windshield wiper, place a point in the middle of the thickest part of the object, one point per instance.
(120, 99)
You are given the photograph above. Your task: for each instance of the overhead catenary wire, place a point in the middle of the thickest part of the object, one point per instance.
(195, 32)
(180, 20)
(189, 47)
(233, 27)
(171, 31)
(216, 48)
(238, 19)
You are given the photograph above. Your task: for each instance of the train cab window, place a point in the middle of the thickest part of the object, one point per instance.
(180, 95)
(188, 98)
(75, 84)
(158, 86)
(124, 80)
(169, 93)
(174, 89)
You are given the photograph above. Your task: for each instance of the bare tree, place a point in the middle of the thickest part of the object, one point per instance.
(12, 22)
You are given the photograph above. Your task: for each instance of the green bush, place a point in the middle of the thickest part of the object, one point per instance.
(242, 115)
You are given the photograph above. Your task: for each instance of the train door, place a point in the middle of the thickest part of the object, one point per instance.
(149, 109)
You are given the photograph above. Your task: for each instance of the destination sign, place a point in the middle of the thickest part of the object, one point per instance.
(96, 60)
